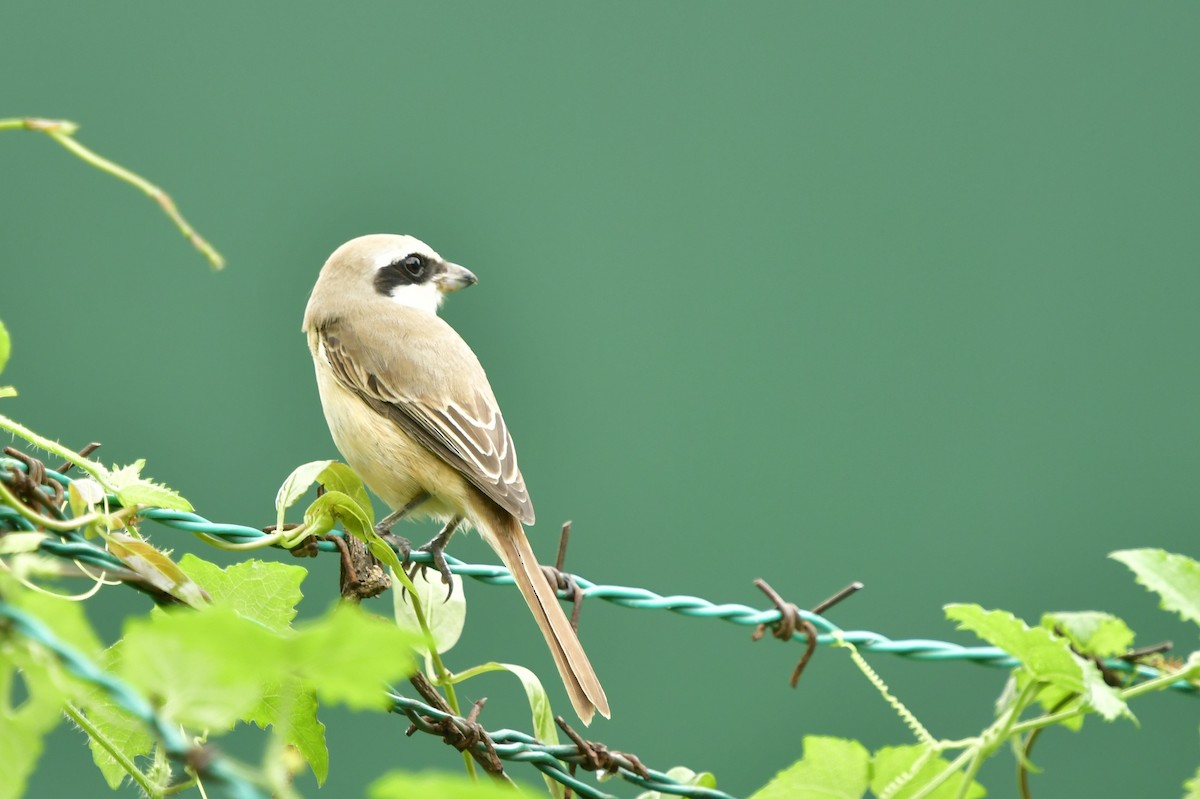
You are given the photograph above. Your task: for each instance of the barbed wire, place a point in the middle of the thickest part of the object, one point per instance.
(206, 762)
(508, 745)
(922, 649)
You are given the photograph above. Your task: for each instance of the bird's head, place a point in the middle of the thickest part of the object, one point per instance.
(404, 269)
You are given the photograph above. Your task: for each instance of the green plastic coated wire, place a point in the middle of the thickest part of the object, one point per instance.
(508, 744)
(216, 770)
(625, 596)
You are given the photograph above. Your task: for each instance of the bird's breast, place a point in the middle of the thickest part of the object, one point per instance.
(394, 465)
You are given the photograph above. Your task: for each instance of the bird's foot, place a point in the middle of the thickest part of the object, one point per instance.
(436, 548)
(397, 542)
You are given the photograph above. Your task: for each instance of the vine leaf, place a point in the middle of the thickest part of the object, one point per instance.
(406, 785)
(348, 655)
(832, 768)
(156, 567)
(205, 669)
(445, 616)
(264, 591)
(892, 763)
(133, 489)
(1044, 656)
(1175, 578)
(299, 481)
(1092, 632)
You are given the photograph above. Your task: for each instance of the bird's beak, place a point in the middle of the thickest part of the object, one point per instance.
(455, 277)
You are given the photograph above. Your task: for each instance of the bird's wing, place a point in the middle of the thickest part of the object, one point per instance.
(433, 388)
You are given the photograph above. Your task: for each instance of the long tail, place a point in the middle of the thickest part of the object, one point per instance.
(507, 537)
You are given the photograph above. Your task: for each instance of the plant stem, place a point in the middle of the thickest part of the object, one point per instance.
(93, 468)
(444, 678)
(93, 732)
(63, 131)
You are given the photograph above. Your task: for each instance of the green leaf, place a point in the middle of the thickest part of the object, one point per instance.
(684, 776)
(23, 725)
(16, 543)
(340, 477)
(64, 617)
(1046, 657)
(5, 346)
(266, 592)
(1192, 787)
(409, 785)
(122, 732)
(292, 708)
(155, 567)
(1092, 632)
(153, 495)
(1175, 578)
(445, 617)
(7, 391)
(334, 507)
(205, 668)
(832, 768)
(299, 481)
(133, 489)
(544, 727)
(895, 762)
(349, 656)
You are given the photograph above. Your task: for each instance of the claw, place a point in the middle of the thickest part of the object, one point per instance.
(399, 543)
(436, 549)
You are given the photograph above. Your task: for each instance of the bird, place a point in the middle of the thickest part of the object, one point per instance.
(412, 412)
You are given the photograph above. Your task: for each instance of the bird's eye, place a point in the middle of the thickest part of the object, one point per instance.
(414, 265)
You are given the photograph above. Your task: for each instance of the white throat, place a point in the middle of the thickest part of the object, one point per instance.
(422, 296)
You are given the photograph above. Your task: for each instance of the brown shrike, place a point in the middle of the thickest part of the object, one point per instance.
(412, 412)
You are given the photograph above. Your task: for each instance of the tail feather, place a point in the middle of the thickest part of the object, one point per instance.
(583, 687)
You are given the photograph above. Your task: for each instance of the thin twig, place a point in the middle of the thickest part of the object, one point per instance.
(63, 132)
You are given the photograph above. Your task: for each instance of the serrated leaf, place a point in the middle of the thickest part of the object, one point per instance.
(298, 482)
(24, 725)
(832, 768)
(684, 776)
(121, 476)
(893, 762)
(156, 567)
(340, 477)
(1046, 657)
(205, 668)
(5, 346)
(121, 731)
(445, 617)
(293, 709)
(350, 655)
(1175, 578)
(407, 785)
(266, 592)
(152, 495)
(1092, 632)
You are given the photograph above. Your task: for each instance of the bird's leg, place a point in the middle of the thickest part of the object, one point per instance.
(384, 528)
(437, 547)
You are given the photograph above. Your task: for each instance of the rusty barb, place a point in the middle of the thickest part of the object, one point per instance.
(33, 486)
(562, 581)
(593, 756)
(790, 619)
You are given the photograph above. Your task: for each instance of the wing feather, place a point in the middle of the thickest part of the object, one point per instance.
(468, 432)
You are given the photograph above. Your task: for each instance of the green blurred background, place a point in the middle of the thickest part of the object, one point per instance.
(812, 292)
